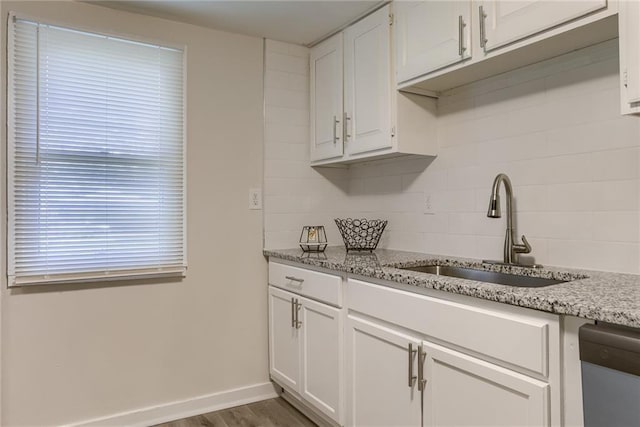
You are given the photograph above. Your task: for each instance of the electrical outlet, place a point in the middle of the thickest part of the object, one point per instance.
(428, 204)
(255, 198)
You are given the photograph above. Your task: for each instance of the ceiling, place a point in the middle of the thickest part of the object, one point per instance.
(300, 21)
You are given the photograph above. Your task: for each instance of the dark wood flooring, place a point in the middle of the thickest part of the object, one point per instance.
(267, 413)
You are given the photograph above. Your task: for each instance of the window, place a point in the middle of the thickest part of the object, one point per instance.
(96, 151)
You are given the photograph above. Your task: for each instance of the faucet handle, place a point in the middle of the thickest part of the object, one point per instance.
(522, 249)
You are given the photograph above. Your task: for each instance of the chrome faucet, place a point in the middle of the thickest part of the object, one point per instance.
(511, 249)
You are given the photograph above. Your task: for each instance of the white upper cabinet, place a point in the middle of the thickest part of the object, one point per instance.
(629, 21)
(368, 84)
(354, 70)
(505, 21)
(445, 44)
(326, 99)
(431, 35)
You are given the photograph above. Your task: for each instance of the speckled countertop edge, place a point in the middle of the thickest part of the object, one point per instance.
(596, 295)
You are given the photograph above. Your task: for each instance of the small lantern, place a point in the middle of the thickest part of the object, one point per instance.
(313, 238)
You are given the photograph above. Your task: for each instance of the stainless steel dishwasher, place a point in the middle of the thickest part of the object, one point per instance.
(610, 358)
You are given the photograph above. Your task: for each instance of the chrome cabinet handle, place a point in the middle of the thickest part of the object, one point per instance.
(422, 355)
(298, 323)
(412, 378)
(336, 138)
(294, 279)
(293, 313)
(461, 25)
(347, 123)
(483, 30)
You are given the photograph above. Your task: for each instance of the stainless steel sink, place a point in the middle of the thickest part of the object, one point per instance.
(485, 276)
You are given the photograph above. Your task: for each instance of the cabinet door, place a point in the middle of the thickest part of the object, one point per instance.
(326, 99)
(509, 21)
(379, 392)
(367, 97)
(431, 35)
(629, 21)
(464, 391)
(284, 353)
(322, 362)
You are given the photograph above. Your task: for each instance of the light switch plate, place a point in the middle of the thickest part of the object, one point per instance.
(255, 198)
(428, 204)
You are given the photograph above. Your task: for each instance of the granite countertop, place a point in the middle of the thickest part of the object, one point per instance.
(595, 295)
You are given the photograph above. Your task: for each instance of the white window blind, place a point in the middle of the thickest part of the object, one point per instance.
(96, 179)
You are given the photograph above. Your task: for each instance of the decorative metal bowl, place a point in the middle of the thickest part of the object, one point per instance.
(360, 234)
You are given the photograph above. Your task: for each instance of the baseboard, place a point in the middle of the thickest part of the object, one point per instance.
(185, 408)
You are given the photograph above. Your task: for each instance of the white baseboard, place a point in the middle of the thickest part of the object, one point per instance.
(185, 408)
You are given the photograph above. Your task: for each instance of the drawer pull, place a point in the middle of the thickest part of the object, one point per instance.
(294, 279)
(483, 30)
(461, 46)
(412, 378)
(297, 322)
(422, 355)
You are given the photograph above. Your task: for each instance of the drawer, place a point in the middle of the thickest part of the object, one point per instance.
(313, 284)
(515, 336)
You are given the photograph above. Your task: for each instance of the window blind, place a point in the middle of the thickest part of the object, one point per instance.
(96, 177)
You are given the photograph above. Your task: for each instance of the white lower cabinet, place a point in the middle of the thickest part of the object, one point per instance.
(382, 371)
(410, 359)
(462, 390)
(416, 360)
(387, 368)
(305, 350)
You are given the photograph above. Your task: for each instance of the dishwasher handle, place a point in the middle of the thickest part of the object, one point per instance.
(611, 346)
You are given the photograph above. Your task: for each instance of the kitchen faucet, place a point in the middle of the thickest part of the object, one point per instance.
(511, 249)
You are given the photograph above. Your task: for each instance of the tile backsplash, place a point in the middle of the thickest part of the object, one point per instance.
(554, 127)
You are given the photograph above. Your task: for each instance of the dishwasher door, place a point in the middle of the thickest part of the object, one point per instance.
(610, 358)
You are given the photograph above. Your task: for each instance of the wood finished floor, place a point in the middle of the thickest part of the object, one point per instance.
(267, 413)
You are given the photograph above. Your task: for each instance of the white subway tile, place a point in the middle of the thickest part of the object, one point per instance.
(283, 80)
(463, 178)
(570, 197)
(572, 168)
(288, 63)
(616, 195)
(287, 116)
(615, 164)
(530, 198)
(285, 151)
(616, 226)
(615, 256)
(619, 132)
(383, 184)
(590, 78)
(287, 98)
(285, 132)
(464, 223)
(436, 223)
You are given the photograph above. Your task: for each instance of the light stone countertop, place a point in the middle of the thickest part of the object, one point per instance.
(595, 295)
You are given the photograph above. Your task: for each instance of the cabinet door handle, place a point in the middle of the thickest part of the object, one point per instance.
(294, 279)
(293, 313)
(461, 25)
(422, 355)
(347, 124)
(298, 323)
(336, 138)
(412, 378)
(483, 30)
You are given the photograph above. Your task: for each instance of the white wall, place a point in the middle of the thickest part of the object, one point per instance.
(555, 129)
(72, 353)
(294, 193)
